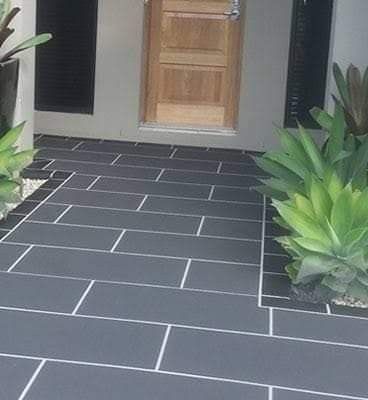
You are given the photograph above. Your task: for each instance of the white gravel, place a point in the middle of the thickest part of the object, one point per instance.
(30, 186)
(349, 302)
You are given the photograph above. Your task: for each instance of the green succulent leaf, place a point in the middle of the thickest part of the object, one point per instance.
(323, 118)
(312, 267)
(320, 200)
(342, 213)
(10, 138)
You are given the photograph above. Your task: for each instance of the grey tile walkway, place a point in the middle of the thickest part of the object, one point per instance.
(141, 277)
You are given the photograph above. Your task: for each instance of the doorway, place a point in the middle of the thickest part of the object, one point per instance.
(193, 63)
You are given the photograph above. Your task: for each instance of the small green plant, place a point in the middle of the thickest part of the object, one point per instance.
(7, 14)
(329, 237)
(12, 163)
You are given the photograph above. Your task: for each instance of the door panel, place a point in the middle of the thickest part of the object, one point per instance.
(193, 64)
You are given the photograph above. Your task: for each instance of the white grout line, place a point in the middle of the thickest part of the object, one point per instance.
(84, 295)
(77, 145)
(31, 381)
(211, 192)
(270, 393)
(127, 283)
(37, 138)
(179, 374)
(163, 347)
(48, 164)
(116, 159)
(185, 275)
(190, 327)
(167, 196)
(219, 167)
(62, 214)
(92, 184)
(34, 210)
(173, 153)
(328, 309)
(271, 322)
(30, 221)
(200, 226)
(118, 240)
(260, 283)
(132, 253)
(19, 259)
(160, 175)
(142, 203)
(228, 218)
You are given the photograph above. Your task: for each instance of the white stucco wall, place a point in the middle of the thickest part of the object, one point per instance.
(118, 73)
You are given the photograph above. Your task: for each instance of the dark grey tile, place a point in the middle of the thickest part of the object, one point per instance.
(53, 154)
(131, 220)
(214, 156)
(223, 277)
(274, 230)
(270, 214)
(274, 247)
(280, 394)
(57, 142)
(47, 213)
(60, 175)
(39, 163)
(96, 199)
(204, 207)
(321, 327)
(103, 266)
(10, 222)
(123, 148)
(221, 150)
(237, 194)
(40, 194)
(292, 305)
(191, 247)
(241, 169)
(232, 228)
(154, 188)
(176, 306)
(15, 373)
(156, 145)
(157, 162)
(275, 263)
(75, 382)
(267, 360)
(25, 208)
(9, 253)
(80, 339)
(209, 179)
(80, 181)
(40, 293)
(52, 184)
(105, 170)
(62, 235)
(276, 285)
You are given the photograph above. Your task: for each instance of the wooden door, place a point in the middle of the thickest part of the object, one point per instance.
(193, 64)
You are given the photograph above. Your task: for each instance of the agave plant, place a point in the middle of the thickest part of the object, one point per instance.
(329, 237)
(301, 158)
(7, 14)
(353, 92)
(11, 165)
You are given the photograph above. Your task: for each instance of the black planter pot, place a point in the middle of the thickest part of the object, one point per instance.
(9, 74)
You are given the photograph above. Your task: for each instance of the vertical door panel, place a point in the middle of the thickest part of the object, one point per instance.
(193, 71)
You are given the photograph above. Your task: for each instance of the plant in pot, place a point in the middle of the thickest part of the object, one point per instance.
(9, 66)
(12, 164)
(321, 196)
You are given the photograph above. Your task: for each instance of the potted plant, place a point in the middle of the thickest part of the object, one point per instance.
(9, 66)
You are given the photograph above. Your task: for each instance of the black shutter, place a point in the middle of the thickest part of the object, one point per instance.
(308, 60)
(65, 67)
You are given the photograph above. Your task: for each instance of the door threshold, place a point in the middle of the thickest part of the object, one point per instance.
(187, 130)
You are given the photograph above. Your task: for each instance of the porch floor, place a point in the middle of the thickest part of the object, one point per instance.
(138, 274)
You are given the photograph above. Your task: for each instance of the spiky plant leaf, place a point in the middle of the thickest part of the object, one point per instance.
(320, 200)
(10, 138)
(341, 85)
(323, 118)
(342, 213)
(312, 151)
(314, 266)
